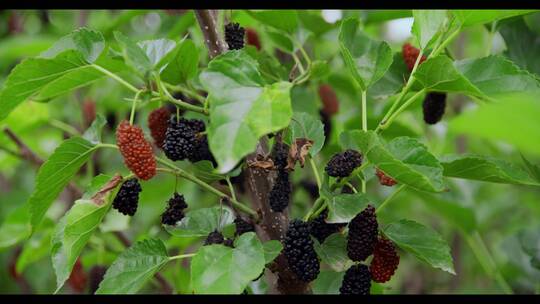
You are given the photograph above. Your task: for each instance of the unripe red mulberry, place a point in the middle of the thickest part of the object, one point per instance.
(137, 152)
(329, 99)
(384, 179)
(157, 123)
(343, 164)
(175, 210)
(410, 53)
(363, 230)
(385, 261)
(127, 198)
(433, 107)
(280, 194)
(89, 112)
(252, 38)
(299, 251)
(357, 281)
(77, 279)
(234, 36)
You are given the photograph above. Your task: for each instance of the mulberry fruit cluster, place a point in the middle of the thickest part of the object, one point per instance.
(363, 231)
(299, 251)
(183, 141)
(137, 152)
(343, 164)
(357, 281)
(127, 198)
(175, 210)
(320, 229)
(280, 154)
(410, 53)
(234, 36)
(384, 179)
(157, 123)
(214, 237)
(281, 191)
(385, 261)
(242, 226)
(433, 107)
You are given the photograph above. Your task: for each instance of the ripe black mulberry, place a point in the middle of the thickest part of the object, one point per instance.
(234, 36)
(127, 198)
(137, 152)
(175, 210)
(343, 164)
(242, 226)
(280, 154)
(385, 261)
(280, 194)
(320, 229)
(215, 237)
(180, 138)
(363, 230)
(433, 106)
(299, 251)
(357, 281)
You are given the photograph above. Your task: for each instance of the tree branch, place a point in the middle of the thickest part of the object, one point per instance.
(208, 24)
(272, 225)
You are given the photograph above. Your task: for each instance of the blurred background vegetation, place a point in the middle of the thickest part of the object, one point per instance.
(505, 217)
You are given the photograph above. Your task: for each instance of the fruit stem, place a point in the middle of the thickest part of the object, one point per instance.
(389, 198)
(204, 185)
(315, 172)
(400, 109)
(115, 77)
(299, 63)
(352, 187)
(182, 256)
(133, 107)
(231, 188)
(102, 145)
(314, 208)
(186, 91)
(181, 103)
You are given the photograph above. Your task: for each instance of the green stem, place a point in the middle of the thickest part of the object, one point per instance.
(405, 105)
(182, 256)
(321, 208)
(486, 261)
(134, 106)
(314, 208)
(364, 127)
(231, 188)
(181, 103)
(315, 172)
(351, 186)
(389, 198)
(64, 127)
(298, 63)
(345, 180)
(206, 186)
(115, 77)
(102, 145)
(186, 91)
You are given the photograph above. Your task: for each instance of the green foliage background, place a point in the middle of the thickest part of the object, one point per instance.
(471, 181)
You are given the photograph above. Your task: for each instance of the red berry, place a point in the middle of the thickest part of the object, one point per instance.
(77, 278)
(252, 38)
(137, 152)
(384, 179)
(385, 261)
(410, 53)
(157, 123)
(329, 99)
